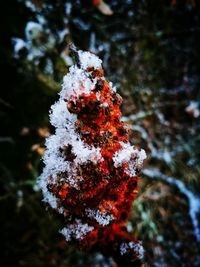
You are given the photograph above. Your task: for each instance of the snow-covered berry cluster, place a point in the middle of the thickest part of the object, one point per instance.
(91, 169)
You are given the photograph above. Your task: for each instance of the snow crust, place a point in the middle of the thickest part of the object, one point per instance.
(130, 155)
(55, 163)
(76, 230)
(19, 44)
(88, 59)
(75, 83)
(101, 218)
(137, 247)
(193, 109)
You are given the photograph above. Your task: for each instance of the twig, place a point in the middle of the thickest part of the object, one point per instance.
(74, 52)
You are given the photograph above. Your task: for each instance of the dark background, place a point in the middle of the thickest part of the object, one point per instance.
(151, 52)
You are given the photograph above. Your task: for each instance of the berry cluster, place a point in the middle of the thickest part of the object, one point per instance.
(91, 169)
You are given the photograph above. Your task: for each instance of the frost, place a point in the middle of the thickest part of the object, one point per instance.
(48, 197)
(129, 227)
(88, 59)
(137, 247)
(85, 153)
(193, 109)
(76, 230)
(36, 44)
(124, 155)
(128, 154)
(113, 88)
(30, 5)
(32, 30)
(68, 8)
(105, 105)
(76, 83)
(53, 157)
(19, 44)
(60, 116)
(101, 218)
(51, 199)
(55, 161)
(62, 34)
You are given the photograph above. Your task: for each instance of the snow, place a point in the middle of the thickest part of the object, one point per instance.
(53, 157)
(67, 59)
(32, 30)
(101, 218)
(30, 5)
(104, 105)
(76, 83)
(131, 155)
(57, 168)
(193, 109)
(55, 163)
(123, 155)
(68, 8)
(60, 116)
(137, 247)
(63, 121)
(51, 199)
(85, 153)
(141, 157)
(76, 230)
(88, 59)
(62, 34)
(18, 45)
(113, 88)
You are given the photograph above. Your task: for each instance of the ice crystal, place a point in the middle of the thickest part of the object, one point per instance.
(89, 60)
(137, 247)
(128, 154)
(101, 218)
(76, 230)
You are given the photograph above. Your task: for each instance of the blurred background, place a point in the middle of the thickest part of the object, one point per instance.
(151, 52)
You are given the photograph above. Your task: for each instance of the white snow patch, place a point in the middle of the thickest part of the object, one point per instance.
(104, 104)
(30, 5)
(137, 247)
(32, 30)
(101, 218)
(54, 159)
(48, 196)
(19, 44)
(113, 88)
(76, 230)
(85, 153)
(62, 34)
(55, 162)
(131, 155)
(193, 109)
(76, 83)
(88, 59)
(60, 117)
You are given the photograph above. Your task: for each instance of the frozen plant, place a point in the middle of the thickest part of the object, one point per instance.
(91, 170)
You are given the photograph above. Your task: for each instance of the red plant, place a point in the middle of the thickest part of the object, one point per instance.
(91, 172)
